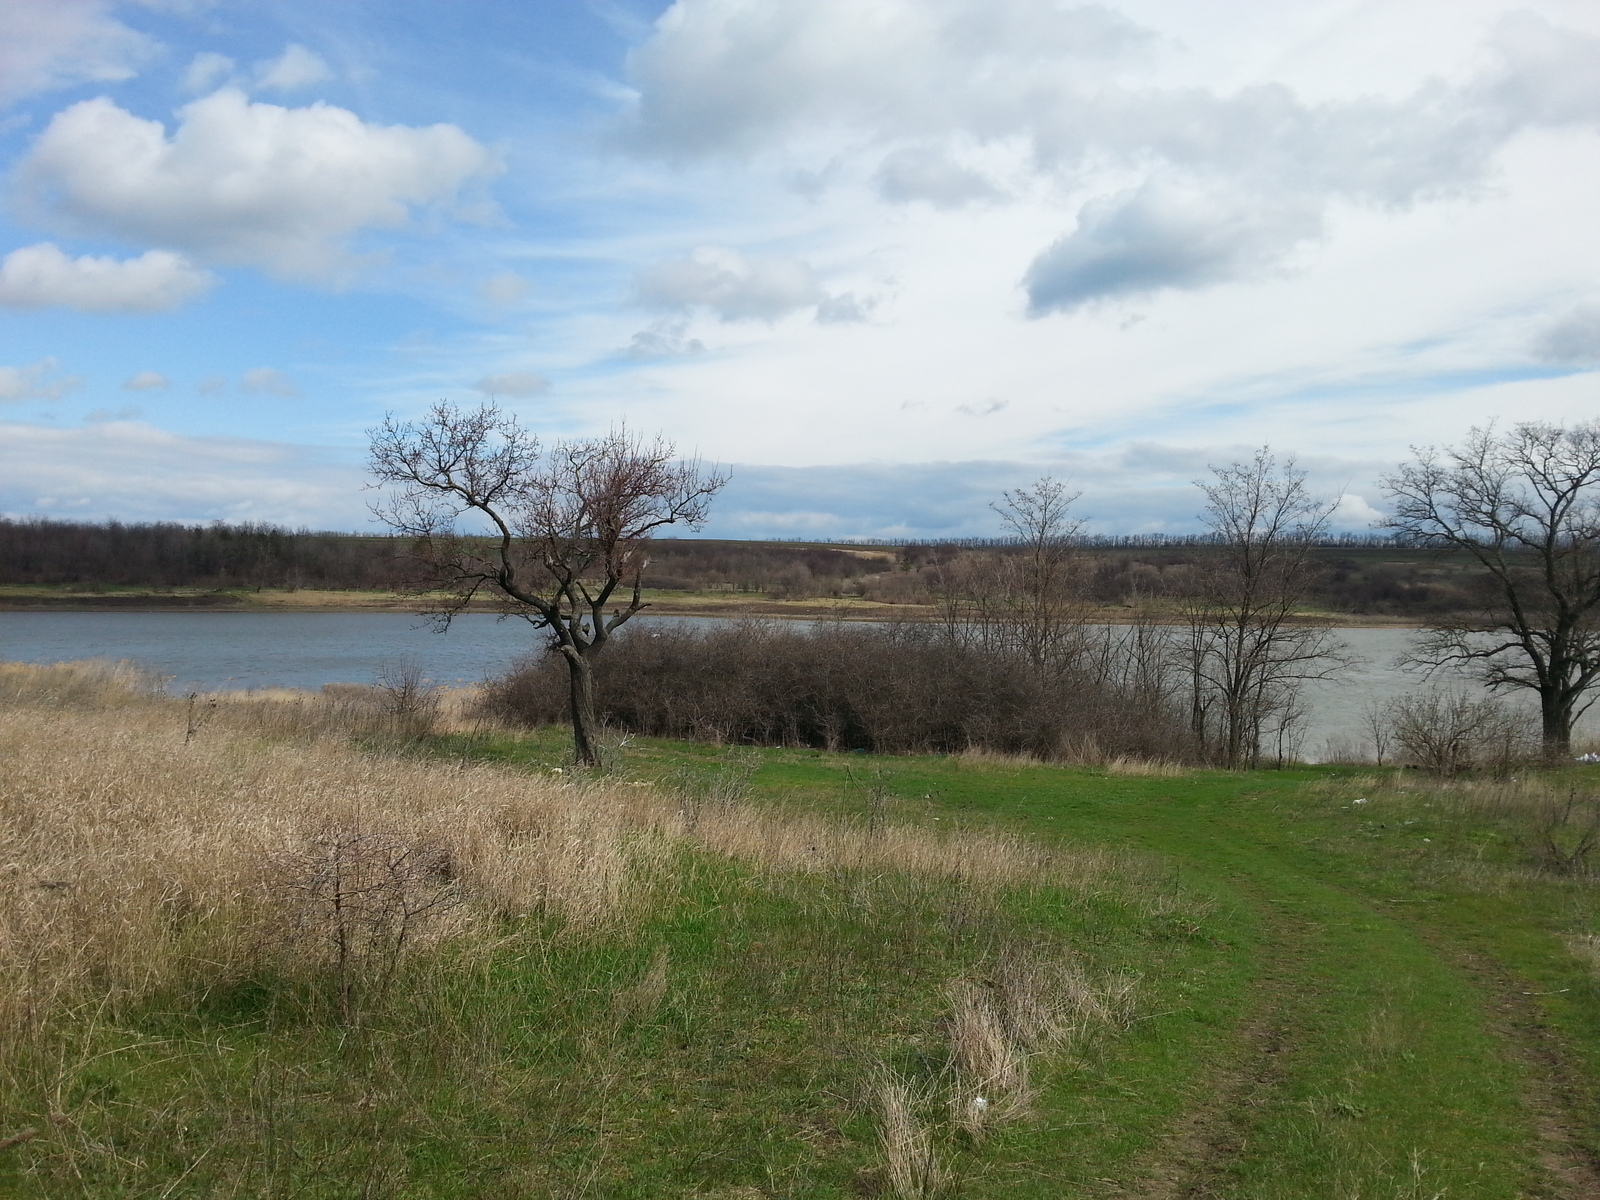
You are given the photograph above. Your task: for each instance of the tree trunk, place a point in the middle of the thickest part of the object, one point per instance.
(580, 705)
(1555, 719)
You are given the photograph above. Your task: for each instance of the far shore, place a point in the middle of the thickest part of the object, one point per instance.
(661, 603)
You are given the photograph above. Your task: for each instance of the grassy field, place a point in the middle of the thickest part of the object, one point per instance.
(277, 949)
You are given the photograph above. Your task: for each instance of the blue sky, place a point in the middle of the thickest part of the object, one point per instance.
(883, 258)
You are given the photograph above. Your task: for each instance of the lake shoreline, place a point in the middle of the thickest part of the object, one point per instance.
(725, 605)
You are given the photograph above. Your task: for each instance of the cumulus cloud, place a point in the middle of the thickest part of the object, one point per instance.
(296, 67)
(1572, 341)
(516, 384)
(730, 285)
(268, 381)
(1163, 236)
(44, 380)
(206, 70)
(906, 82)
(734, 75)
(929, 173)
(1353, 512)
(146, 381)
(47, 44)
(43, 276)
(239, 181)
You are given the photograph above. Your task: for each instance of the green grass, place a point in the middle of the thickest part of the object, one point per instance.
(1322, 1011)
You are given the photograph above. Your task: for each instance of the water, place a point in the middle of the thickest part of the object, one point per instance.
(199, 651)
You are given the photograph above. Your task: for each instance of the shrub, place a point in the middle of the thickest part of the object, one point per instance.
(891, 688)
(1446, 732)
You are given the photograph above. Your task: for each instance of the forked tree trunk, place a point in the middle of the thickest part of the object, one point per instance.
(580, 704)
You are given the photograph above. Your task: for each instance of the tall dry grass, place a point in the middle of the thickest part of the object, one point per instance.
(168, 847)
(139, 853)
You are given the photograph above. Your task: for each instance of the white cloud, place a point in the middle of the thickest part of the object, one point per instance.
(1573, 340)
(206, 70)
(1165, 236)
(732, 286)
(242, 182)
(928, 173)
(739, 75)
(664, 339)
(516, 384)
(1353, 512)
(41, 381)
(146, 381)
(295, 68)
(47, 44)
(844, 309)
(43, 276)
(211, 385)
(140, 473)
(268, 381)
(900, 84)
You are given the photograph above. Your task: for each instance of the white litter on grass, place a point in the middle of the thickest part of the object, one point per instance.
(1588, 758)
(1363, 800)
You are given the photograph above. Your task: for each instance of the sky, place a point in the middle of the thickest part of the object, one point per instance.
(881, 260)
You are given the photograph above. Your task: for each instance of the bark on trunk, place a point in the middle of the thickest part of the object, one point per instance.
(1556, 728)
(585, 743)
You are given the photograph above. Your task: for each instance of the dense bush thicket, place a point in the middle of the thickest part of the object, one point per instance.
(896, 688)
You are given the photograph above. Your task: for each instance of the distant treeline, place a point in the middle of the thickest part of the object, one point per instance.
(205, 556)
(1362, 573)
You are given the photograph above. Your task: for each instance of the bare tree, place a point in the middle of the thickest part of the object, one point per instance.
(1247, 652)
(1526, 506)
(568, 528)
(1026, 599)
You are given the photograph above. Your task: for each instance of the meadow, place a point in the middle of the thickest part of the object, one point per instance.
(303, 946)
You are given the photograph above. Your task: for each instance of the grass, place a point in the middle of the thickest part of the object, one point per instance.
(715, 973)
(240, 957)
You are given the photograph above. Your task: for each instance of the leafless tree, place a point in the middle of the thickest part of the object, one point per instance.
(568, 527)
(1525, 505)
(1023, 600)
(1247, 652)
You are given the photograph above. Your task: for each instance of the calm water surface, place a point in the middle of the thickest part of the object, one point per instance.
(203, 650)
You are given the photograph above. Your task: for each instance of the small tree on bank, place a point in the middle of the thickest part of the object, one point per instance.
(568, 527)
(1025, 600)
(1525, 505)
(1247, 652)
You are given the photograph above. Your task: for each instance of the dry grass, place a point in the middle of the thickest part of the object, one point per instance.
(152, 846)
(906, 1139)
(1146, 766)
(143, 846)
(1080, 756)
(1024, 1006)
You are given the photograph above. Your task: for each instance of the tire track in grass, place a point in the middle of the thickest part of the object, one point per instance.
(1552, 1092)
(1368, 1067)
